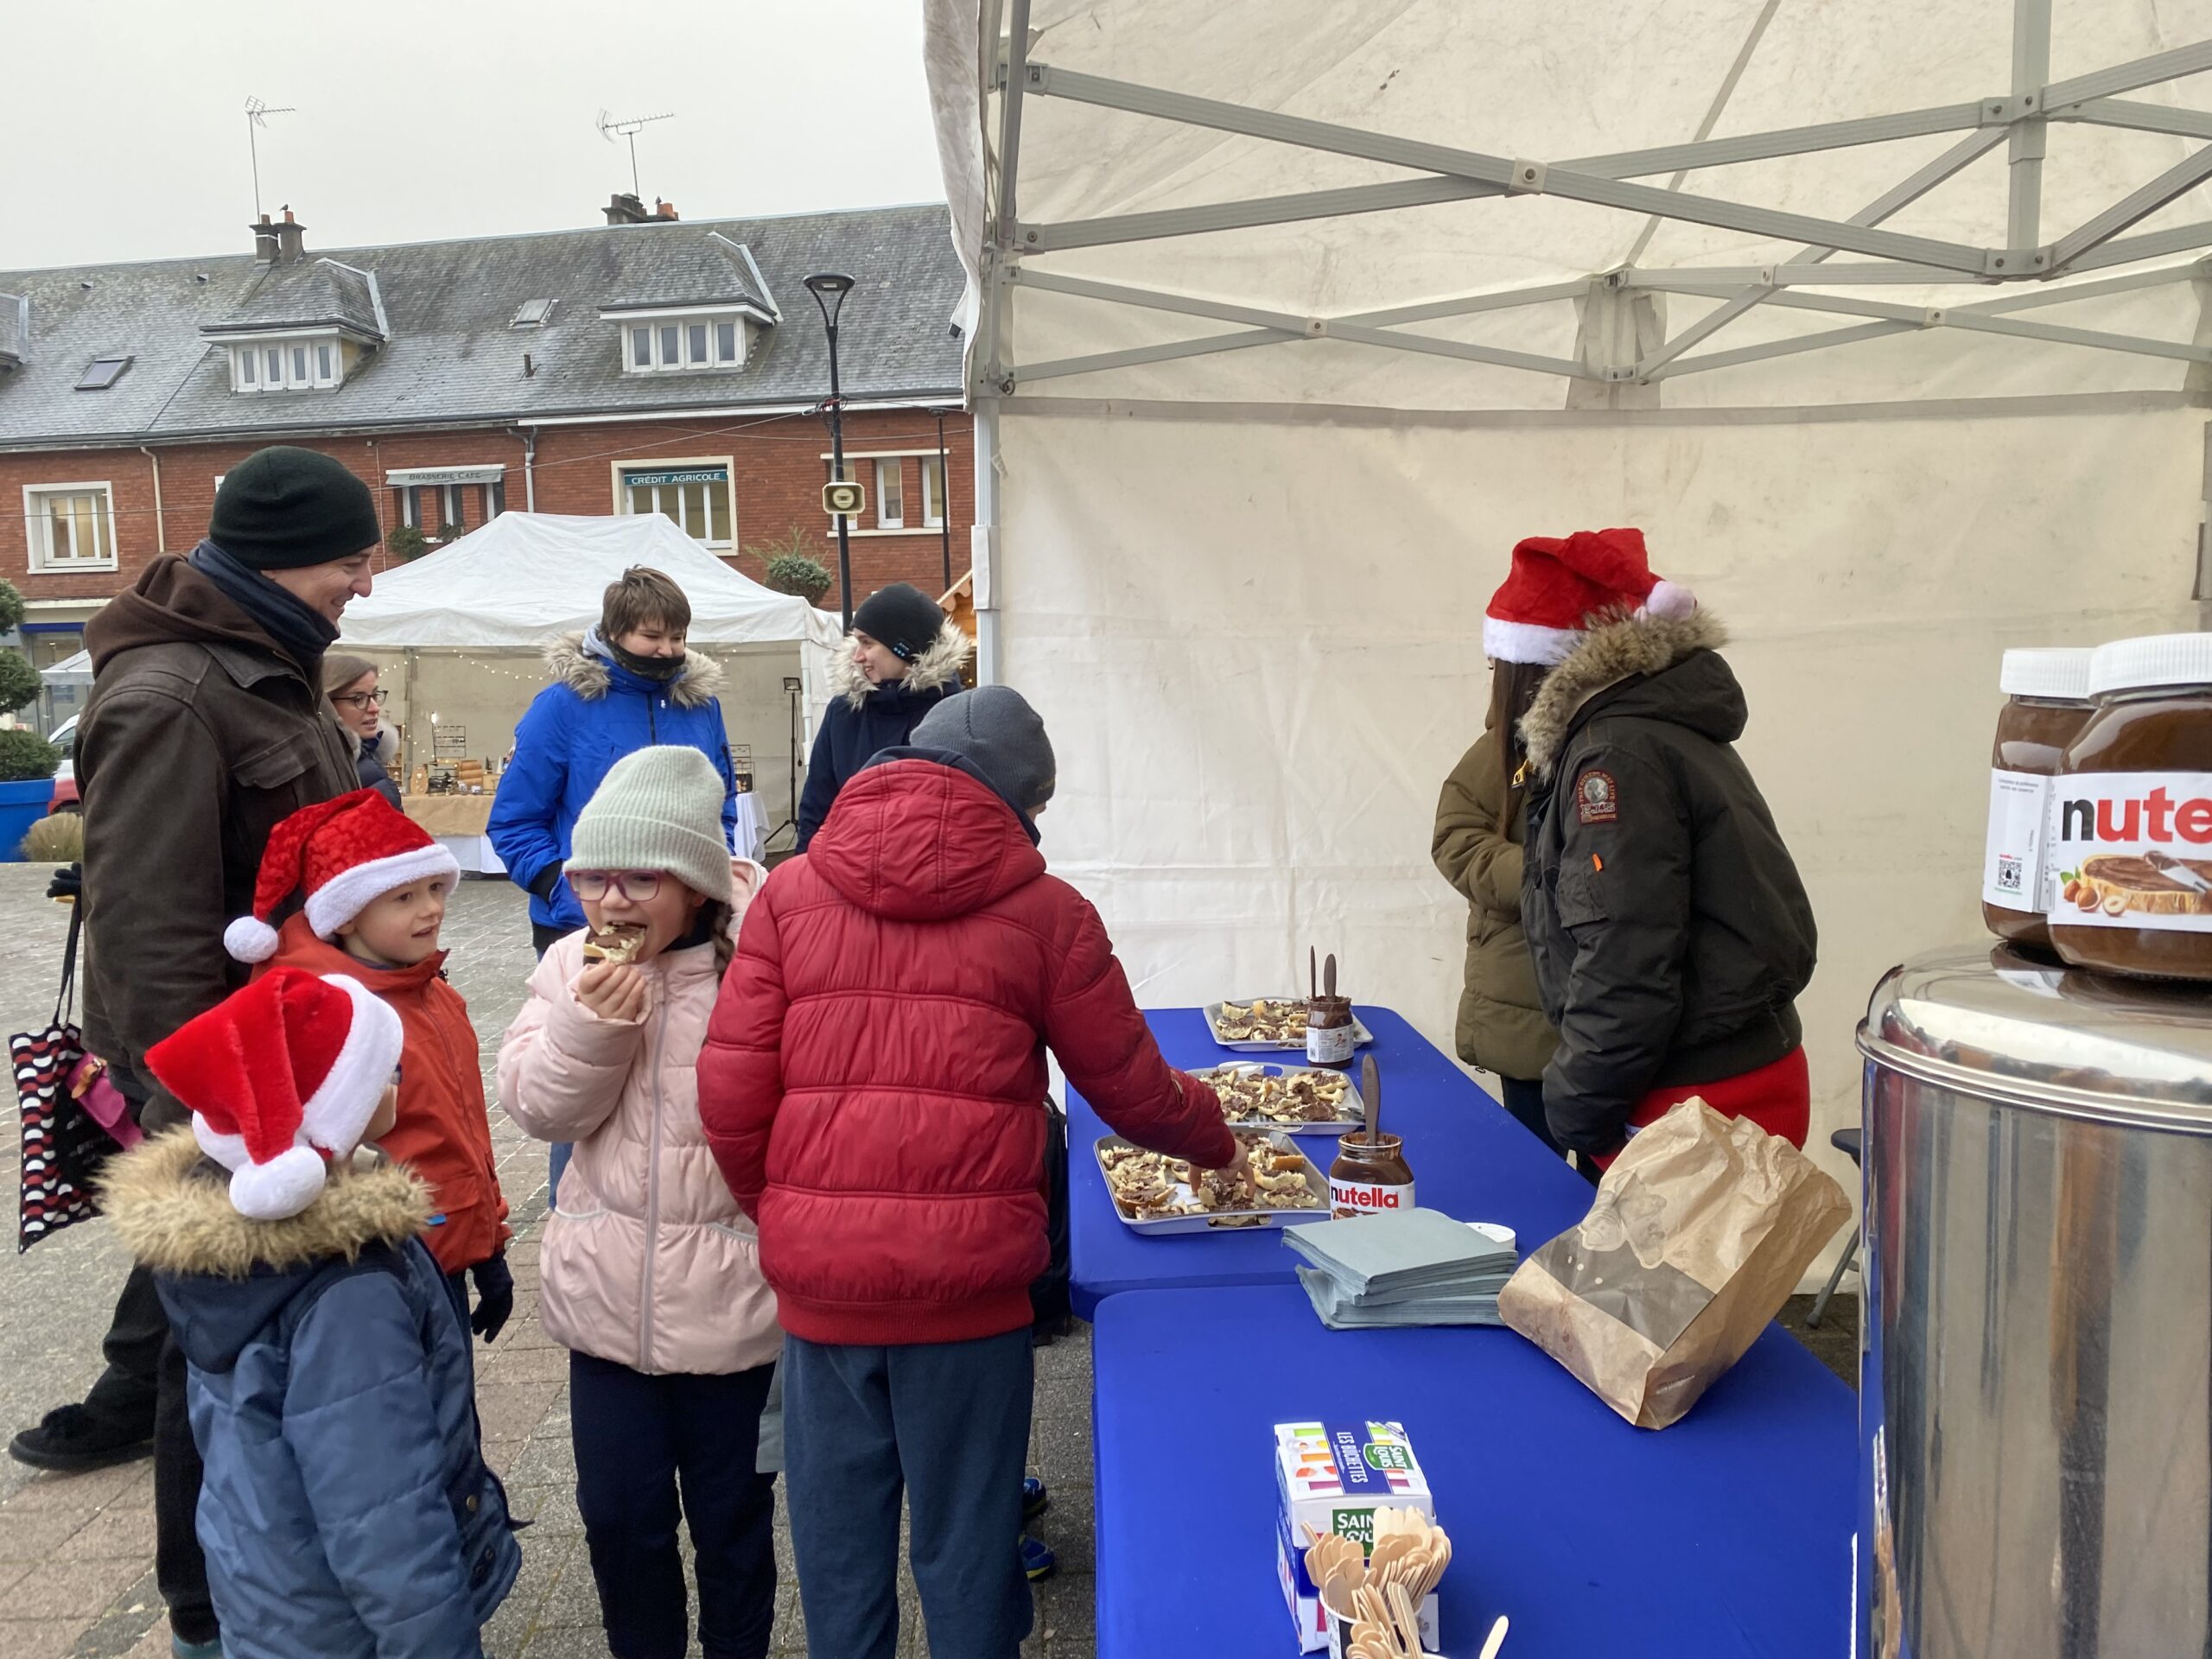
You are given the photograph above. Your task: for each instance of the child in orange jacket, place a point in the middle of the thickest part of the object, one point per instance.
(375, 886)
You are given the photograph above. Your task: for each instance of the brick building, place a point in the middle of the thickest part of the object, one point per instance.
(648, 365)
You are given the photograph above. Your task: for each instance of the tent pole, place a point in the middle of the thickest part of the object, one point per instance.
(984, 562)
(2031, 72)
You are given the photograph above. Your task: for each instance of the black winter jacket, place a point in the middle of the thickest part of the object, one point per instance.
(864, 719)
(1670, 931)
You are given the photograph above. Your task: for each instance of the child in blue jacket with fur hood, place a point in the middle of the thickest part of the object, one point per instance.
(346, 1512)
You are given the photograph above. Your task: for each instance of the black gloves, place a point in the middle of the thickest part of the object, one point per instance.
(548, 878)
(495, 1296)
(67, 885)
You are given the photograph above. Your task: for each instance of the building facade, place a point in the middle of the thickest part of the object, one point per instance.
(650, 365)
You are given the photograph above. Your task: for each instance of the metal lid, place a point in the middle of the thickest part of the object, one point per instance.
(1989, 1021)
(2155, 659)
(2060, 673)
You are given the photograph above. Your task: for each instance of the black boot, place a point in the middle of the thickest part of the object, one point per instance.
(72, 1440)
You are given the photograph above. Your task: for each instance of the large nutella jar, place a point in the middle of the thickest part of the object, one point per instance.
(1371, 1177)
(2129, 837)
(2047, 704)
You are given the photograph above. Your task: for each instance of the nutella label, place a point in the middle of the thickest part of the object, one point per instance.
(2012, 864)
(1370, 1198)
(2131, 849)
(1328, 1044)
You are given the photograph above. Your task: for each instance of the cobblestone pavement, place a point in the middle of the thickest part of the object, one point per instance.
(76, 1553)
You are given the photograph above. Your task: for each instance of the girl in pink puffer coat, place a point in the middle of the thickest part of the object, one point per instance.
(649, 1273)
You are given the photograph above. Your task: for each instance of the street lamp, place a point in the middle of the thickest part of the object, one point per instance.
(830, 288)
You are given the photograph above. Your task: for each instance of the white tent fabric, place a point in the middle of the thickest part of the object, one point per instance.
(526, 576)
(1245, 588)
(72, 671)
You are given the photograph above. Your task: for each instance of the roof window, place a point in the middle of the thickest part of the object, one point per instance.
(102, 372)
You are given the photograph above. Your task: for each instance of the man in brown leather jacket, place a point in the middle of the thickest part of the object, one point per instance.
(207, 726)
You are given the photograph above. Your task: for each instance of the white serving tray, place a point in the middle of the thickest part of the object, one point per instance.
(1361, 1036)
(1217, 1221)
(1352, 1115)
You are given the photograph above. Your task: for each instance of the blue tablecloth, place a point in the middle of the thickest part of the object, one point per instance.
(1727, 1535)
(1469, 1158)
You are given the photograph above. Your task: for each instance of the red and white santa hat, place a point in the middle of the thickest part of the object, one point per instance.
(280, 1077)
(341, 854)
(1541, 612)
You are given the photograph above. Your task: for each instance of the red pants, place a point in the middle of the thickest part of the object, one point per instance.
(1777, 1097)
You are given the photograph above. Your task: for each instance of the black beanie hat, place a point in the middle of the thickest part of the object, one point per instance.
(902, 617)
(282, 508)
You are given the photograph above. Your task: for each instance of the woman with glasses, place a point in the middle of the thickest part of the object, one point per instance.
(349, 682)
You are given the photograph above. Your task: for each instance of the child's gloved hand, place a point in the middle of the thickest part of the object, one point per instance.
(495, 1296)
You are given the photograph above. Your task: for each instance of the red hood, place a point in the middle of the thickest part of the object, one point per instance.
(917, 841)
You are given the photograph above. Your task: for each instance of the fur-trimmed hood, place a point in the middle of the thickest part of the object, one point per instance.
(588, 676)
(939, 666)
(177, 1218)
(1627, 646)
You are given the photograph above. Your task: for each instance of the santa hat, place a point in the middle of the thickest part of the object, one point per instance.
(280, 1077)
(342, 854)
(1540, 613)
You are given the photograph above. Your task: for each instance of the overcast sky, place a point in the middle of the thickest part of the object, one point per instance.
(125, 131)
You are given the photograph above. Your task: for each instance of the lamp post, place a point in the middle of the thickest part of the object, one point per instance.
(830, 288)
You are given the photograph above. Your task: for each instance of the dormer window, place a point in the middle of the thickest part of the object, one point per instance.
(687, 342)
(288, 363)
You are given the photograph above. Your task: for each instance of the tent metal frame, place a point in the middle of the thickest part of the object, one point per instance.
(2018, 120)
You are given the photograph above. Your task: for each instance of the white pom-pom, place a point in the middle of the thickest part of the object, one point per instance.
(249, 939)
(283, 1186)
(1666, 599)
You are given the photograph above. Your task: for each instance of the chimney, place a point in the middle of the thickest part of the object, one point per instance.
(291, 240)
(264, 242)
(626, 210)
(664, 209)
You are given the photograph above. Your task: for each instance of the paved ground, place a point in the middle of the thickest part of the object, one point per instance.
(75, 1555)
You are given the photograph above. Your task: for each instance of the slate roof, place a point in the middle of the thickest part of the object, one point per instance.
(316, 290)
(453, 356)
(11, 319)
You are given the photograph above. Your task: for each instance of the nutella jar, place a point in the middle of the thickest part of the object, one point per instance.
(1329, 1031)
(2047, 704)
(1370, 1177)
(2130, 837)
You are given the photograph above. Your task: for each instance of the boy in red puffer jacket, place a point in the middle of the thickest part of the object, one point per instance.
(870, 1086)
(374, 885)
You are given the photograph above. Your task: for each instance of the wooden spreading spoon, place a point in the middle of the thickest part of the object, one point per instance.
(1371, 1088)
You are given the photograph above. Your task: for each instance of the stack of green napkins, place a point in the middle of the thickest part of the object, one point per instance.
(1419, 1267)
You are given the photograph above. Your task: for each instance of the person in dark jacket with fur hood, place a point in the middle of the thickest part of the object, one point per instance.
(626, 684)
(1670, 932)
(346, 1511)
(902, 659)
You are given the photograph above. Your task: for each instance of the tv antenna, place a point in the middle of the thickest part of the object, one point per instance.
(609, 128)
(255, 112)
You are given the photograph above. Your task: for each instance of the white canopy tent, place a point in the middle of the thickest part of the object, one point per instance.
(471, 617)
(1290, 317)
(74, 671)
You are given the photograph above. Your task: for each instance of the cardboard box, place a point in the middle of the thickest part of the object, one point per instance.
(1333, 1477)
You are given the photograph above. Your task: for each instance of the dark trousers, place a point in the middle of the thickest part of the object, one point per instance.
(124, 1394)
(1524, 1098)
(641, 1442)
(179, 1569)
(947, 1423)
(542, 939)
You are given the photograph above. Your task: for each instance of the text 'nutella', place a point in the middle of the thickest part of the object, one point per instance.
(2129, 836)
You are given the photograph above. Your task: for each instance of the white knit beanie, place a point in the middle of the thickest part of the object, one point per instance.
(657, 809)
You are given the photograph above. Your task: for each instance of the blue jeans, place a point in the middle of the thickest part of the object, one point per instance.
(947, 1423)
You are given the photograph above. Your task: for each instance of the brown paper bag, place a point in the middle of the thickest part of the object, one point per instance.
(1700, 1231)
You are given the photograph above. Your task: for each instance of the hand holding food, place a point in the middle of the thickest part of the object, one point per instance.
(615, 991)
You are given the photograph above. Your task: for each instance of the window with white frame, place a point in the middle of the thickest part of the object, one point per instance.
(697, 498)
(72, 526)
(933, 491)
(304, 364)
(890, 493)
(686, 345)
(430, 507)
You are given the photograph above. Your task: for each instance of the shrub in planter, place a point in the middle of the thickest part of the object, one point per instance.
(25, 755)
(795, 573)
(19, 683)
(405, 542)
(58, 838)
(448, 534)
(12, 608)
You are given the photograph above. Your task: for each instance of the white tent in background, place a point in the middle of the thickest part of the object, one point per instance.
(74, 671)
(470, 619)
(527, 577)
(1291, 316)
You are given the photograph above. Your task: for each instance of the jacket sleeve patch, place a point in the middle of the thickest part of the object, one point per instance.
(1596, 799)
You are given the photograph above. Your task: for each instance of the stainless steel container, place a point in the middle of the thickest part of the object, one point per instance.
(2035, 1426)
